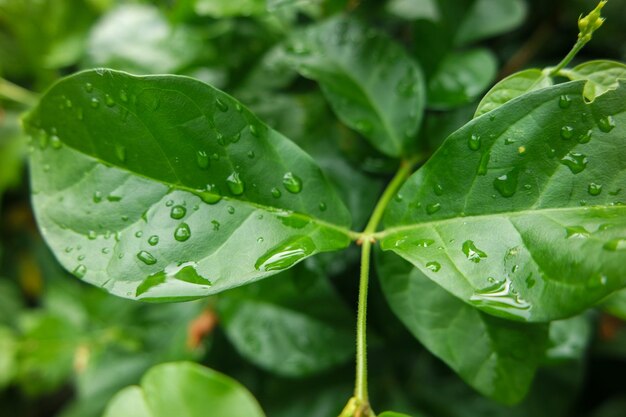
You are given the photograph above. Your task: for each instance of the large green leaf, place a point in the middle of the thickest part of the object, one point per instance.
(286, 326)
(184, 390)
(162, 187)
(496, 357)
(520, 212)
(370, 81)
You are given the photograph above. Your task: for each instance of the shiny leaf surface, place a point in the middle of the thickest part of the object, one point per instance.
(600, 75)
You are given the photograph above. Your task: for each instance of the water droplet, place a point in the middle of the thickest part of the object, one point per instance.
(502, 297)
(484, 162)
(474, 142)
(286, 254)
(506, 184)
(565, 101)
(80, 257)
(276, 192)
(606, 124)
(68, 249)
(120, 152)
(211, 195)
(433, 266)
(92, 235)
(398, 197)
(235, 184)
(424, 243)
(594, 189)
(178, 212)
(95, 103)
(238, 107)
(292, 183)
(108, 100)
(231, 210)
(55, 142)
(123, 96)
(576, 232)
(222, 106)
(472, 253)
(146, 257)
(615, 244)
(169, 203)
(254, 131)
(202, 158)
(509, 141)
(216, 225)
(567, 132)
(585, 137)
(322, 206)
(259, 240)
(182, 232)
(80, 271)
(89, 87)
(138, 233)
(433, 208)
(438, 189)
(106, 251)
(153, 240)
(251, 154)
(576, 162)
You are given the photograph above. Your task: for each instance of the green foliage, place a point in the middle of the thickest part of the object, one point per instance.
(243, 169)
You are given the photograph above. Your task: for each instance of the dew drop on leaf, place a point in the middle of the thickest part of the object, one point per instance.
(138, 233)
(472, 253)
(433, 266)
(153, 240)
(169, 203)
(250, 154)
(424, 243)
(567, 132)
(585, 137)
(231, 210)
(91, 235)
(615, 244)
(286, 254)
(254, 131)
(438, 189)
(606, 124)
(433, 208)
(216, 225)
(108, 100)
(594, 189)
(202, 159)
(97, 197)
(95, 103)
(276, 192)
(223, 107)
(576, 162)
(123, 96)
(474, 142)
(178, 212)
(182, 232)
(235, 184)
(89, 87)
(106, 251)
(80, 271)
(259, 240)
(565, 101)
(292, 183)
(322, 206)
(506, 185)
(576, 232)
(146, 257)
(501, 296)
(55, 142)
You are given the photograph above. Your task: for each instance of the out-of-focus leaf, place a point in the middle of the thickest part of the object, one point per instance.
(414, 9)
(615, 304)
(569, 339)
(8, 355)
(229, 8)
(12, 149)
(461, 78)
(488, 18)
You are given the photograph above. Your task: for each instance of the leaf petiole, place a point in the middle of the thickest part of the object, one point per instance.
(16, 93)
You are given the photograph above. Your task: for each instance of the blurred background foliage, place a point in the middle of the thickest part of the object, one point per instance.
(66, 347)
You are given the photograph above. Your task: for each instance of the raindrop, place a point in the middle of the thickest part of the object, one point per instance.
(474, 142)
(169, 203)
(565, 101)
(606, 124)
(80, 257)
(91, 235)
(433, 208)
(80, 271)
(259, 240)
(95, 103)
(576, 232)
(506, 184)
(276, 192)
(424, 243)
(235, 184)
(322, 206)
(576, 162)
(567, 132)
(202, 159)
(138, 233)
(231, 210)
(585, 137)
(254, 131)
(89, 87)
(501, 296)
(97, 197)
(178, 212)
(221, 105)
(594, 189)
(108, 100)
(106, 250)
(438, 189)
(146, 257)
(250, 154)
(55, 142)
(472, 253)
(153, 240)
(286, 254)
(292, 183)
(484, 161)
(615, 244)
(123, 96)
(433, 266)
(182, 232)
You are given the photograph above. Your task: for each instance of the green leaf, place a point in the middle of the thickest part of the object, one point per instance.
(229, 8)
(414, 9)
(496, 357)
(487, 18)
(369, 80)
(393, 414)
(12, 150)
(615, 304)
(601, 76)
(521, 212)
(144, 42)
(511, 87)
(569, 339)
(284, 324)
(460, 78)
(162, 187)
(8, 355)
(185, 390)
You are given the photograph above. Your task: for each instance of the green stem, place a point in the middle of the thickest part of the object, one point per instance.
(366, 240)
(16, 93)
(580, 43)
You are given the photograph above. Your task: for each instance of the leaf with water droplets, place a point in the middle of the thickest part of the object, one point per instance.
(159, 201)
(543, 239)
(370, 81)
(495, 356)
(184, 389)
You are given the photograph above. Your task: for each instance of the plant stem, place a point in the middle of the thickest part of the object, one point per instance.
(580, 43)
(366, 240)
(16, 93)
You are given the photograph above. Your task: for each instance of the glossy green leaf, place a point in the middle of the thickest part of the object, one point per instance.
(521, 212)
(600, 75)
(495, 356)
(461, 78)
(284, 324)
(185, 390)
(162, 187)
(511, 87)
(488, 18)
(369, 80)
(144, 42)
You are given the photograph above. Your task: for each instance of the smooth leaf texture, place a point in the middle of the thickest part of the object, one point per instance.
(488, 18)
(495, 356)
(162, 187)
(511, 87)
(520, 212)
(369, 80)
(184, 389)
(284, 325)
(392, 414)
(601, 76)
(460, 78)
